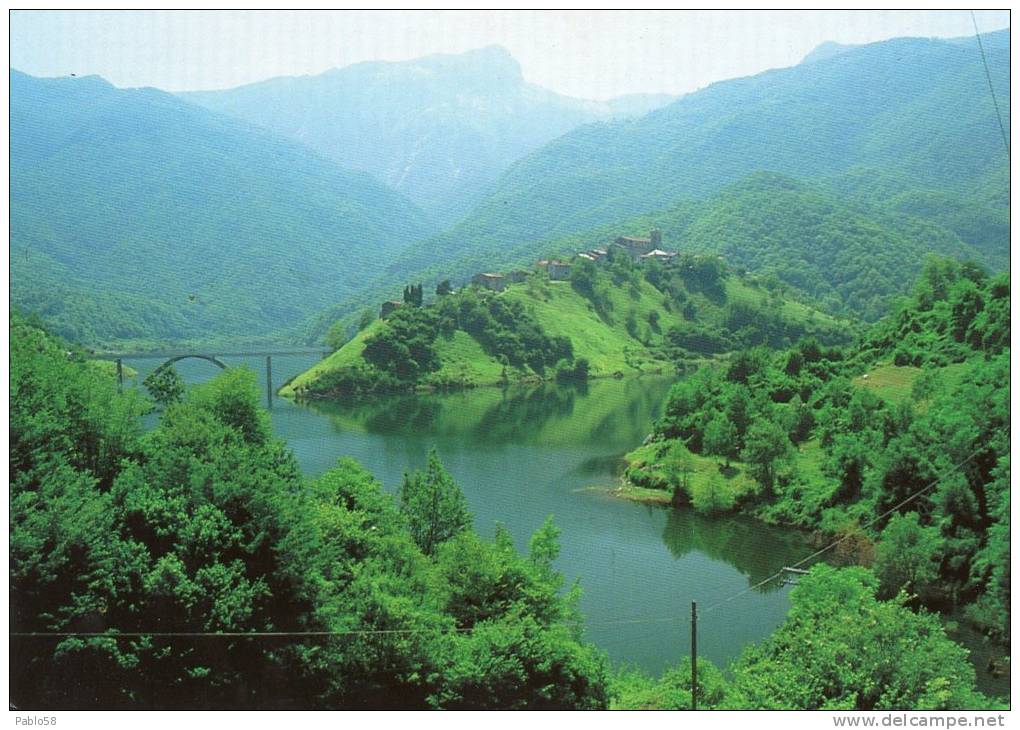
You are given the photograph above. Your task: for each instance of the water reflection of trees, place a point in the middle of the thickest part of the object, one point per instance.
(616, 414)
(753, 548)
(612, 464)
(522, 415)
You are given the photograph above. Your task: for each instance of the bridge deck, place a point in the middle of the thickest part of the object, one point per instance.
(169, 354)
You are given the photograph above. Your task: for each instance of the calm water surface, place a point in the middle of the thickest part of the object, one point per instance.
(523, 453)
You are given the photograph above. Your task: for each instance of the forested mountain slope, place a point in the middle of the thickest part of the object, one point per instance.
(138, 216)
(848, 254)
(897, 447)
(919, 109)
(849, 258)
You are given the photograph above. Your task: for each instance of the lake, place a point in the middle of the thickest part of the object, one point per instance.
(526, 452)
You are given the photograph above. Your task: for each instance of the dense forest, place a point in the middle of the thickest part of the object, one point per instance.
(849, 245)
(128, 227)
(897, 447)
(847, 255)
(614, 317)
(140, 544)
(192, 566)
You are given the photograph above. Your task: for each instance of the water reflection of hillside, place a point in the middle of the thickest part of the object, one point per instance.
(610, 413)
(755, 549)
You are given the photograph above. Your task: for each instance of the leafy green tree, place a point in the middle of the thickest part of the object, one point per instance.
(522, 650)
(842, 648)
(720, 438)
(515, 663)
(587, 281)
(336, 336)
(433, 504)
(849, 461)
(630, 324)
(233, 399)
(576, 371)
(746, 364)
(367, 318)
(927, 384)
(907, 557)
(181, 538)
(404, 348)
(443, 288)
(165, 385)
(413, 295)
(672, 691)
(737, 406)
(712, 496)
(965, 303)
(991, 568)
(765, 447)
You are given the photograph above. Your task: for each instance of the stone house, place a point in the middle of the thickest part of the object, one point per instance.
(658, 254)
(389, 307)
(557, 270)
(492, 282)
(636, 247)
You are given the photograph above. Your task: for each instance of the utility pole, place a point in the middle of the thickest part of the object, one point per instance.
(120, 375)
(269, 381)
(694, 655)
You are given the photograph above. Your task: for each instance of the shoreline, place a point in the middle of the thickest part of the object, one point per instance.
(431, 388)
(987, 655)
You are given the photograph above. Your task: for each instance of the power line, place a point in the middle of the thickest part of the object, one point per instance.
(988, 75)
(843, 539)
(112, 634)
(223, 634)
(600, 624)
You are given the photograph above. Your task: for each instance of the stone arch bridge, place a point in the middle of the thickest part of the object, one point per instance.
(214, 357)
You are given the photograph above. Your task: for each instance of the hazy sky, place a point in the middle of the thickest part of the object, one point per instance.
(582, 53)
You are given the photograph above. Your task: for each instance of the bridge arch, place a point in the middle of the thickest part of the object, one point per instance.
(209, 358)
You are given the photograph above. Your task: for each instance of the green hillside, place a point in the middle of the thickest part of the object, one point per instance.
(136, 216)
(617, 318)
(850, 259)
(912, 419)
(849, 249)
(918, 109)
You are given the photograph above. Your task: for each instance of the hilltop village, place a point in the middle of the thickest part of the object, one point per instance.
(629, 307)
(636, 247)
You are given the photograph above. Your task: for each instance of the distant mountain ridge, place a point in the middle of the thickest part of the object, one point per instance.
(913, 109)
(439, 129)
(826, 50)
(136, 215)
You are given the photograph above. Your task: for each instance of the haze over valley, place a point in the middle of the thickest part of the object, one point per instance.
(315, 189)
